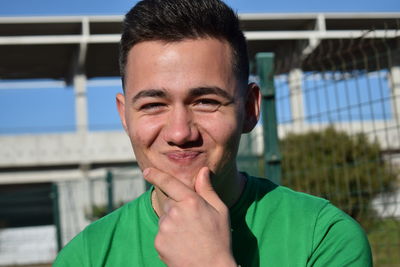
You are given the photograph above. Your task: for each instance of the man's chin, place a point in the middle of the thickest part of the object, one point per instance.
(188, 177)
(185, 173)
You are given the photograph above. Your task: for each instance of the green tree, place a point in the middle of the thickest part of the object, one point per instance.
(347, 170)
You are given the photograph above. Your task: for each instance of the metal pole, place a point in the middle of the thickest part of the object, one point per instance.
(272, 157)
(56, 214)
(110, 190)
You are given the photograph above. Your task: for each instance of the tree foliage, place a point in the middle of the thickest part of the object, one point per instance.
(347, 170)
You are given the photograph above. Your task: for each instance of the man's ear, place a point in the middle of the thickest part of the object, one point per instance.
(120, 101)
(252, 107)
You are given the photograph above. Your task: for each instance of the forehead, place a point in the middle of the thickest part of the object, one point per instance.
(183, 64)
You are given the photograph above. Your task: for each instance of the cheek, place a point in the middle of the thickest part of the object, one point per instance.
(222, 130)
(143, 132)
(224, 144)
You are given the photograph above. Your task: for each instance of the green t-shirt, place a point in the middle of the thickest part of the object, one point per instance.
(271, 226)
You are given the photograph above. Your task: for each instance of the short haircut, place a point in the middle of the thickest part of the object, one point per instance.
(176, 20)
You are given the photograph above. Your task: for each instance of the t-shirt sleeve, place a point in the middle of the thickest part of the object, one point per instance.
(73, 254)
(338, 240)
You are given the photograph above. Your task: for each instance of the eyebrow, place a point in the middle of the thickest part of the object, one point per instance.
(214, 90)
(149, 93)
(193, 92)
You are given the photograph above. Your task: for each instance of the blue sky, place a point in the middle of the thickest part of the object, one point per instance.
(85, 7)
(50, 106)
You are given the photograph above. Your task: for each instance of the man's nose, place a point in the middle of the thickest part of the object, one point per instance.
(180, 127)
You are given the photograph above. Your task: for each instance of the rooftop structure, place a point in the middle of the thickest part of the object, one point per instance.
(73, 49)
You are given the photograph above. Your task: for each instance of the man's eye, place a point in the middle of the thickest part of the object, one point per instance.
(207, 104)
(152, 107)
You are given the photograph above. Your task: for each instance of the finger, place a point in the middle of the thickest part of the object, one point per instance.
(204, 188)
(171, 186)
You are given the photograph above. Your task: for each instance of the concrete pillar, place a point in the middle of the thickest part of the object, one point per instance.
(81, 113)
(296, 96)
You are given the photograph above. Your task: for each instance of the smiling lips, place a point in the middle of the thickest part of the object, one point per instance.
(182, 155)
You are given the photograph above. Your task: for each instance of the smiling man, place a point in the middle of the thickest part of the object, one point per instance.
(186, 102)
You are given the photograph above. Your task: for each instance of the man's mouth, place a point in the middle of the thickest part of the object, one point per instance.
(182, 155)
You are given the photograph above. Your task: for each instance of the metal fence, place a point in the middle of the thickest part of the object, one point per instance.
(338, 111)
(81, 202)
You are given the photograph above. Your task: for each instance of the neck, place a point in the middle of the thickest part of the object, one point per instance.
(229, 190)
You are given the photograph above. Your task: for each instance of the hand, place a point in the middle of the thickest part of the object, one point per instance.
(194, 229)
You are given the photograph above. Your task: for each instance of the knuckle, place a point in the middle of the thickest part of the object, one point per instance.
(173, 212)
(164, 226)
(192, 201)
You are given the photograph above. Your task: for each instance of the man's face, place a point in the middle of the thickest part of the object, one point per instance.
(182, 107)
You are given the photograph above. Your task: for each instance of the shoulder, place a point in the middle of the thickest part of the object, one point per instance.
(339, 239)
(107, 224)
(73, 254)
(98, 235)
(335, 238)
(282, 210)
(285, 198)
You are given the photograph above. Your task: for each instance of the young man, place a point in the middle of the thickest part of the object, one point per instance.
(186, 103)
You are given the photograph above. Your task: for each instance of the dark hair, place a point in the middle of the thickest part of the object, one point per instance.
(175, 20)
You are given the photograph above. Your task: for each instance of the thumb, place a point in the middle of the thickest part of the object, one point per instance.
(204, 188)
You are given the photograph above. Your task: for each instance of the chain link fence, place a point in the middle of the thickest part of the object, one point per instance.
(338, 110)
